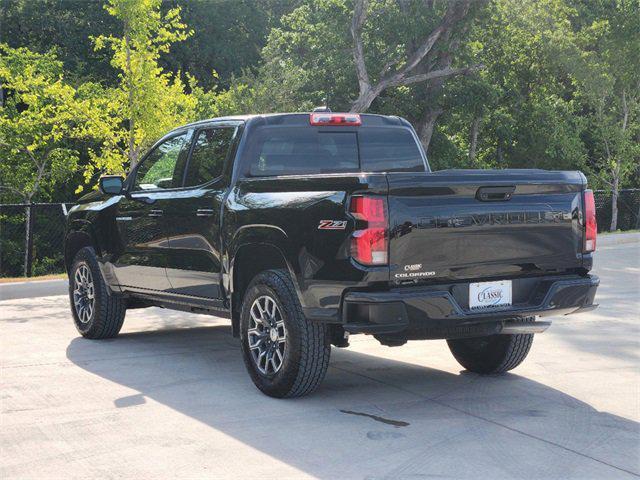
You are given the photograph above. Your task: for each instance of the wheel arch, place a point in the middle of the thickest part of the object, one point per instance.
(249, 260)
(79, 235)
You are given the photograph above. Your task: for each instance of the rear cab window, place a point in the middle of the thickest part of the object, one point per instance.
(389, 150)
(303, 149)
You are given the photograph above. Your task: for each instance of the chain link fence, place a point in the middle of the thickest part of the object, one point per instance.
(628, 209)
(32, 239)
(32, 235)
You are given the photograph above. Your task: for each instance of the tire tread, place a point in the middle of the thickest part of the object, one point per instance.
(315, 349)
(517, 351)
(504, 352)
(110, 309)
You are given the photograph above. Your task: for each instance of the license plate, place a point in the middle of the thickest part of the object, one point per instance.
(490, 294)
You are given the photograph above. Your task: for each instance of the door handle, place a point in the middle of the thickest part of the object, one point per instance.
(204, 212)
(155, 213)
(495, 194)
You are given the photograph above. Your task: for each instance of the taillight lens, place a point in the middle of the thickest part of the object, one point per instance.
(369, 245)
(590, 224)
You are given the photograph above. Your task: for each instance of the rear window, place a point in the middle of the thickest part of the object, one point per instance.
(389, 150)
(305, 151)
(298, 151)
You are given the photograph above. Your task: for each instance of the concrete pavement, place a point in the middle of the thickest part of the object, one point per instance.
(170, 398)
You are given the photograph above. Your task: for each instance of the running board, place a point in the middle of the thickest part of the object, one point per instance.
(513, 328)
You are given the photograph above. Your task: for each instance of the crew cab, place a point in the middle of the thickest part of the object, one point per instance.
(305, 228)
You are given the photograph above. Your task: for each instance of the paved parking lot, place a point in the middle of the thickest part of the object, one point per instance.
(170, 398)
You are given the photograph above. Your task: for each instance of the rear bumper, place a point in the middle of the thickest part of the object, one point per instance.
(442, 311)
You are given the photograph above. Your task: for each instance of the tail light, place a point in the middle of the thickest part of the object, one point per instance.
(591, 227)
(369, 245)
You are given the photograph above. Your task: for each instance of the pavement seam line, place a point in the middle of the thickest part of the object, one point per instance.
(493, 422)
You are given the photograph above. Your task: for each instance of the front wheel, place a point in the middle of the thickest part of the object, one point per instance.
(286, 355)
(96, 313)
(493, 353)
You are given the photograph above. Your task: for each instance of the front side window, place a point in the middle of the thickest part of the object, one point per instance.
(302, 151)
(209, 153)
(161, 169)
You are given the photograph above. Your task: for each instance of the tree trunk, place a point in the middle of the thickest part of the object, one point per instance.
(399, 72)
(473, 141)
(133, 154)
(614, 204)
(426, 125)
(618, 167)
(364, 101)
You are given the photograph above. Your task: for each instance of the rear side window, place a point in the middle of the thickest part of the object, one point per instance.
(299, 151)
(389, 150)
(209, 153)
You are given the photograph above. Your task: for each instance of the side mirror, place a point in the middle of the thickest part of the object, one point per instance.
(111, 184)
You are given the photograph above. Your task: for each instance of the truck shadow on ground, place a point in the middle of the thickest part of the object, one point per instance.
(372, 414)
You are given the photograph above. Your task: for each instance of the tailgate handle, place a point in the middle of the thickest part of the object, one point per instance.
(495, 194)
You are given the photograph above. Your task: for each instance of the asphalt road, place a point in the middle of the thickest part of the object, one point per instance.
(33, 289)
(170, 398)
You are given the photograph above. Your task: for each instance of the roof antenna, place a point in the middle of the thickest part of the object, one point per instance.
(323, 108)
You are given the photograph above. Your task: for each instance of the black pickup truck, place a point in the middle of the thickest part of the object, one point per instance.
(305, 228)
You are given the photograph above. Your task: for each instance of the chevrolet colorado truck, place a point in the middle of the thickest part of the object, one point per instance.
(305, 228)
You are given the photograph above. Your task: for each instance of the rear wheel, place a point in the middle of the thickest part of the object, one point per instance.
(493, 353)
(96, 313)
(286, 355)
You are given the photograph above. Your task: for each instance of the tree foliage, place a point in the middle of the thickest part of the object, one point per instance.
(148, 101)
(39, 116)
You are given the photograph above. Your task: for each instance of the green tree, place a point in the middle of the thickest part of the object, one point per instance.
(608, 77)
(63, 25)
(359, 55)
(228, 36)
(520, 111)
(414, 59)
(40, 115)
(148, 101)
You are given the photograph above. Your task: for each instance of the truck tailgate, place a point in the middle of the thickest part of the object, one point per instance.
(466, 224)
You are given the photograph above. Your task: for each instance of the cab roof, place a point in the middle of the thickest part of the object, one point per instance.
(300, 118)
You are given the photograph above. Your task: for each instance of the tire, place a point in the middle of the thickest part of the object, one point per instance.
(491, 354)
(105, 317)
(304, 347)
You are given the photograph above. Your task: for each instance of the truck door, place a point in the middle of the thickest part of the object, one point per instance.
(141, 220)
(193, 219)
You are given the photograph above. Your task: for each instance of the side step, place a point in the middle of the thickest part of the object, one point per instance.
(512, 328)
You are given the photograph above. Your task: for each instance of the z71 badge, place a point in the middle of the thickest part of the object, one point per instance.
(332, 225)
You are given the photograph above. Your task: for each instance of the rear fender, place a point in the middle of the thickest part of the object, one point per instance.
(269, 248)
(267, 235)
